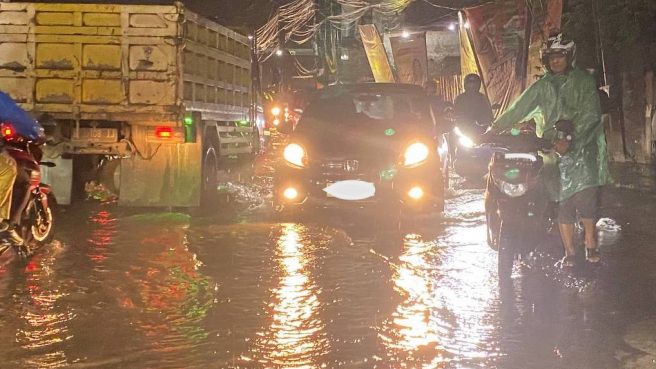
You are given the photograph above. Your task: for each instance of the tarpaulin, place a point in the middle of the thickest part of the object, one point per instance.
(410, 58)
(545, 19)
(375, 50)
(499, 35)
(25, 125)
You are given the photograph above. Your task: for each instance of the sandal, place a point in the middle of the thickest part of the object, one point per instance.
(592, 254)
(568, 262)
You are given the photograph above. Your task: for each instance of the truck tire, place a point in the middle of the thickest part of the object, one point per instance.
(257, 147)
(209, 197)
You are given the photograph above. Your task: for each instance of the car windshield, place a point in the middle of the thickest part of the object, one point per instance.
(369, 107)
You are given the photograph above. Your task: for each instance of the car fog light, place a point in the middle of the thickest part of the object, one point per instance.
(416, 193)
(290, 193)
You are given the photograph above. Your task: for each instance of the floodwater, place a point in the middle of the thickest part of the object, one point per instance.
(127, 288)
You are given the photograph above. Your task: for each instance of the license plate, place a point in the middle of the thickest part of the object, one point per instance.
(350, 190)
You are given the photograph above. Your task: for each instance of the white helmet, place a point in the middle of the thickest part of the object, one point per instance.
(557, 44)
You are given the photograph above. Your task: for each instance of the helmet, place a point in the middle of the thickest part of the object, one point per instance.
(557, 44)
(472, 82)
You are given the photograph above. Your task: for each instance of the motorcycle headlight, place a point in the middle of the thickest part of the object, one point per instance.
(415, 154)
(510, 189)
(462, 138)
(295, 154)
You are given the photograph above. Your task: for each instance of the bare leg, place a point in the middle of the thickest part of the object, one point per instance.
(567, 235)
(591, 239)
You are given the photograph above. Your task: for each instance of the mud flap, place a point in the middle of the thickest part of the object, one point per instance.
(164, 174)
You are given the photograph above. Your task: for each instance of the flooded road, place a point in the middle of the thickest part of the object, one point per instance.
(123, 288)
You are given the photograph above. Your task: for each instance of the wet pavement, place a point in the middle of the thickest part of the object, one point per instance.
(129, 288)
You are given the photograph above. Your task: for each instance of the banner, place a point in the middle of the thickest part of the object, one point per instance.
(499, 35)
(467, 57)
(410, 58)
(375, 50)
(545, 19)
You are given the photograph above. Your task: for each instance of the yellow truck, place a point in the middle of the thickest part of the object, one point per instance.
(147, 99)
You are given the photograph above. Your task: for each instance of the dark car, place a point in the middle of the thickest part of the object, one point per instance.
(363, 145)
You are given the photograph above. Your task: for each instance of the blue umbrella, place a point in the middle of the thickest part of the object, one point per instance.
(22, 122)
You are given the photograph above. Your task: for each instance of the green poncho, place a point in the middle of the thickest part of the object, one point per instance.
(571, 96)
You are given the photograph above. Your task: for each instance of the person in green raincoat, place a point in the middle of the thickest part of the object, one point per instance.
(581, 167)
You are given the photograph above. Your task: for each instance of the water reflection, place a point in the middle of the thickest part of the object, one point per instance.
(295, 337)
(411, 335)
(43, 325)
(448, 313)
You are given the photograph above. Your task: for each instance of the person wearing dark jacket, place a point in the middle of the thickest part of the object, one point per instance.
(472, 108)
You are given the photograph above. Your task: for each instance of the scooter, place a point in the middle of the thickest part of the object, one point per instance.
(36, 225)
(517, 208)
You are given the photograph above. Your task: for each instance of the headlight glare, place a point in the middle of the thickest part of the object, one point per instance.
(463, 139)
(295, 155)
(415, 154)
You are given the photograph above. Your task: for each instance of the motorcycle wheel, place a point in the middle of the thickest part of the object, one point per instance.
(506, 256)
(40, 224)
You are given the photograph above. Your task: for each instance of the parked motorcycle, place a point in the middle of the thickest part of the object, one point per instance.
(37, 222)
(517, 207)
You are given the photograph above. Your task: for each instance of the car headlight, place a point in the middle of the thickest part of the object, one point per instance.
(512, 190)
(275, 111)
(295, 155)
(463, 139)
(415, 154)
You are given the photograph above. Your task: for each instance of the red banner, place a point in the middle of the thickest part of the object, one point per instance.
(545, 19)
(499, 35)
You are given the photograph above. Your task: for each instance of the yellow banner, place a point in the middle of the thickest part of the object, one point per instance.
(375, 50)
(467, 58)
(410, 58)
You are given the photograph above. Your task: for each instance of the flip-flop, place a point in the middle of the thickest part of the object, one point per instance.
(592, 255)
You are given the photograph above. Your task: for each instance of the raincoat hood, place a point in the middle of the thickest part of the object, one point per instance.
(569, 96)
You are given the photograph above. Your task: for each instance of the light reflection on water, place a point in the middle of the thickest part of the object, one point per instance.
(274, 295)
(295, 337)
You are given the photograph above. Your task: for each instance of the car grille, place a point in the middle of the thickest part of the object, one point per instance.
(342, 167)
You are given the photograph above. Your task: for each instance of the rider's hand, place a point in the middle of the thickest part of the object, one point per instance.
(562, 146)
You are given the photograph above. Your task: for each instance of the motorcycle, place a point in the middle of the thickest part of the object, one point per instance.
(517, 208)
(36, 225)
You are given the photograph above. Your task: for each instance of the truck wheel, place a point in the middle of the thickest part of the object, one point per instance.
(210, 180)
(257, 147)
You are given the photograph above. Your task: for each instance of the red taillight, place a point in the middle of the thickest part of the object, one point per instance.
(7, 130)
(163, 132)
